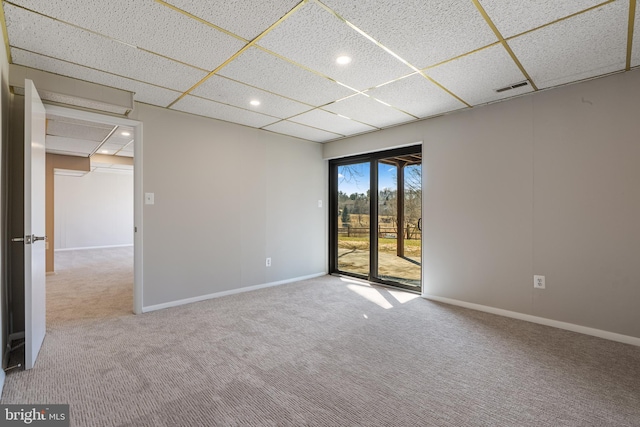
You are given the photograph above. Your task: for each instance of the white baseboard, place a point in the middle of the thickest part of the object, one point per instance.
(226, 293)
(93, 247)
(540, 320)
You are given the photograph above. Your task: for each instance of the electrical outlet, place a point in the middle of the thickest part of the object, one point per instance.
(268, 262)
(538, 282)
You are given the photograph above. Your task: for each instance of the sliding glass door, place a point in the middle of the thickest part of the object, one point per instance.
(353, 199)
(376, 205)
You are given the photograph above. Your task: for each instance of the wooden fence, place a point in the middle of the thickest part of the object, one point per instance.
(411, 232)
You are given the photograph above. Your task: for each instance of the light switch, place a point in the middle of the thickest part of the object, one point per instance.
(149, 198)
(319, 203)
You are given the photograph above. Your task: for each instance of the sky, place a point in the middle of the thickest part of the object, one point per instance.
(386, 178)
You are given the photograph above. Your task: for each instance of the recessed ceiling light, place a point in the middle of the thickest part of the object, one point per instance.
(254, 102)
(343, 60)
(105, 151)
(125, 133)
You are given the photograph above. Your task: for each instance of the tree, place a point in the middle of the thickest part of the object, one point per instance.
(345, 215)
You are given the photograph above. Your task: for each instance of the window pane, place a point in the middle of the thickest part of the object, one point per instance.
(353, 218)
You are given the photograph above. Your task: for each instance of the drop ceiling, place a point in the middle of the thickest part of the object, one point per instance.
(73, 137)
(410, 59)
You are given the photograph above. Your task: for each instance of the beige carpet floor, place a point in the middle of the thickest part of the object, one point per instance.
(322, 352)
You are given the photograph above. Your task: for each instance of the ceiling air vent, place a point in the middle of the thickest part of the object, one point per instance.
(513, 86)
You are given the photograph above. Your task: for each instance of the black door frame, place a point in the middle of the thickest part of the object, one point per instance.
(372, 159)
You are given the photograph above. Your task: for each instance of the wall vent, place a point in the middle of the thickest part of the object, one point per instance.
(513, 86)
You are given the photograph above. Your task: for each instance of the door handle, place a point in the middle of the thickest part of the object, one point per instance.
(26, 239)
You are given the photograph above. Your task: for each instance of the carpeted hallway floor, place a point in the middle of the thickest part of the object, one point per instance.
(90, 284)
(322, 352)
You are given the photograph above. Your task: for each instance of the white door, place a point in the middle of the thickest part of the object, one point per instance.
(34, 224)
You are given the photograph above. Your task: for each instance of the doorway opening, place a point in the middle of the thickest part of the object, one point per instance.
(116, 161)
(376, 217)
(27, 290)
(90, 223)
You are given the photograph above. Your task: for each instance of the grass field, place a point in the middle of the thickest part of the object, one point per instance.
(412, 247)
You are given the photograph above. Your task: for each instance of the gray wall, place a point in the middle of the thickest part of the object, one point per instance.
(548, 184)
(227, 197)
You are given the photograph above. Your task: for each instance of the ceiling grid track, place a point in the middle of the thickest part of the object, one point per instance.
(317, 73)
(301, 124)
(324, 76)
(202, 21)
(5, 33)
(122, 148)
(235, 106)
(389, 51)
(330, 112)
(632, 17)
(312, 107)
(446, 61)
(504, 42)
(240, 52)
(263, 90)
(106, 138)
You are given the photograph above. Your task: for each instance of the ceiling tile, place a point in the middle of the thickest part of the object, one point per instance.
(118, 139)
(418, 96)
(315, 37)
(635, 54)
(244, 18)
(38, 34)
(331, 122)
(302, 131)
(423, 33)
(587, 45)
(367, 110)
(207, 108)
(258, 68)
(136, 23)
(143, 92)
(124, 153)
(227, 91)
(70, 120)
(475, 77)
(109, 148)
(70, 145)
(517, 16)
(79, 129)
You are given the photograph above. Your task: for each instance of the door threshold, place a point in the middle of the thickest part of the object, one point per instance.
(370, 283)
